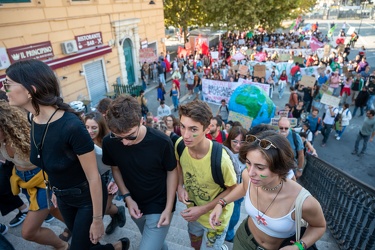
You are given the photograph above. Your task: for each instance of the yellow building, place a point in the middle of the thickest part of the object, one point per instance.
(90, 44)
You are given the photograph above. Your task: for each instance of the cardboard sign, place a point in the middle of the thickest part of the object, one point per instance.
(249, 52)
(308, 81)
(260, 70)
(298, 59)
(246, 121)
(295, 45)
(303, 44)
(275, 122)
(235, 67)
(330, 100)
(284, 57)
(327, 50)
(340, 48)
(243, 70)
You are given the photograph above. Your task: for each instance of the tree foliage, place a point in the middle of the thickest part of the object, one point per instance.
(237, 14)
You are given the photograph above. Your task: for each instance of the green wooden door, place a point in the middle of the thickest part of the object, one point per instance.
(129, 60)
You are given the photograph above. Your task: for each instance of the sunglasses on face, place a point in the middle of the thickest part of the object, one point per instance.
(283, 128)
(6, 84)
(263, 143)
(128, 137)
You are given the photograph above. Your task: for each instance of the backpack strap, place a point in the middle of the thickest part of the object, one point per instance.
(180, 148)
(216, 155)
(295, 141)
(223, 135)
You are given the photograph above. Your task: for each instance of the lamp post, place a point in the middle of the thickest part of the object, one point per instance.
(363, 5)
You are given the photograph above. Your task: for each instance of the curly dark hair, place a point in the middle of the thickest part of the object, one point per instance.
(15, 128)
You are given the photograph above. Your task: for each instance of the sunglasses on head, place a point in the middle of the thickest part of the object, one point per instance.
(263, 143)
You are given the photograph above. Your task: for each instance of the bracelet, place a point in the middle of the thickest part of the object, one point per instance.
(303, 244)
(99, 217)
(299, 245)
(126, 195)
(222, 202)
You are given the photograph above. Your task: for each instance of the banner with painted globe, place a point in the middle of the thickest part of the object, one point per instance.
(252, 101)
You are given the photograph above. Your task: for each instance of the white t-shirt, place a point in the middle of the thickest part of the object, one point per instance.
(328, 119)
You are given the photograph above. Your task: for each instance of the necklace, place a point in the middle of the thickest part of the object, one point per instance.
(274, 188)
(260, 218)
(39, 146)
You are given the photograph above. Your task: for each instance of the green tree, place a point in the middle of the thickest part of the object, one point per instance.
(244, 14)
(183, 13)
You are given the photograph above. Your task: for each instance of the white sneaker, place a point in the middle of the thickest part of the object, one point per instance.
(224, 247)
(336, 134)
(338, 138)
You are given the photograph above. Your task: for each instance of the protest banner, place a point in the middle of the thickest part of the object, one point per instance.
(246, 121)
(214, 54)
(350, 31)
(243, 70)
(214, 91)
(308, 81)
(249, 52)
(265, 87)
(147, 55)
(330, 100)
(259, 70)
(303, 44)
(298, 59)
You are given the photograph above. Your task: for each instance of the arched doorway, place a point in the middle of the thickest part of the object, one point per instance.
(128, 54)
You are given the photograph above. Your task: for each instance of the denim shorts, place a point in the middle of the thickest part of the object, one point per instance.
(41, 197)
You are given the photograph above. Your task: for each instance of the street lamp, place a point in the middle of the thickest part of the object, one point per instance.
(363, 5)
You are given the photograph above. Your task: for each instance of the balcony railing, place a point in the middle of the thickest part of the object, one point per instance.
(126, 89)
(348, 204)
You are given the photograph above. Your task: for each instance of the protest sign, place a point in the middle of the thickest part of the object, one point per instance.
(215, 54)
(308, 81)
(350, 31)
(275, 122)
(340, 48)
(235, 67)
(295, 46)
(249, 52)
(243, 119)
(327, 50)
(243, 70)
(284, 57)
(303, 44)
(214, 91)
(283, 113)
(330, 100)
(260, 70)
(298, 59)
(241, 41)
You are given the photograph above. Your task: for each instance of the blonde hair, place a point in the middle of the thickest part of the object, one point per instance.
(15, 128)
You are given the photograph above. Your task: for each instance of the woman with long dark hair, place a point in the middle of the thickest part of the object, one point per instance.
(62, 148)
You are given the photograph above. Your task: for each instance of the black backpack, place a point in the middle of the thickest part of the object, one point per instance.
(295, 141)
(216, 155)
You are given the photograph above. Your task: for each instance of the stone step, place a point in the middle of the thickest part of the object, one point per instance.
(177, 237)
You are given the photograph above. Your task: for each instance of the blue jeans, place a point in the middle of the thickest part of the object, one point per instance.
(152, 237)
(234, 219)
(370, 102)
(341, 132)
(5, 244)
(365, 139)
(295, 79)
(77, 212)
(41, 197)
(162, 78)
(336, 91)
(175, 101)
(326, 130)
(355, 110)
(144, 86)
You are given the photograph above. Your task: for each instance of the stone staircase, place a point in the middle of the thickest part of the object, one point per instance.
(177, 239)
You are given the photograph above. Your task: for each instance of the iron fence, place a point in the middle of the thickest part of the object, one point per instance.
(348, 204)
(126, 89)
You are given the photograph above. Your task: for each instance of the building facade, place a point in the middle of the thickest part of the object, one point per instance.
(90, 44)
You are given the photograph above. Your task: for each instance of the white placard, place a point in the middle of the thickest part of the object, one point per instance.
(330, 100)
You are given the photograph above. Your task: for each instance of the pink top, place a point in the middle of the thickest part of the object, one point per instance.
(347, 84)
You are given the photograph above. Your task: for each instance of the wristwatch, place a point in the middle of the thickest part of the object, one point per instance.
(125, 195)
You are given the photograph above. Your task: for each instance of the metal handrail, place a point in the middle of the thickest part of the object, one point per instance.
(348, 204)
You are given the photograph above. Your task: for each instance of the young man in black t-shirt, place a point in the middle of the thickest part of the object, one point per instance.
(144, 168)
